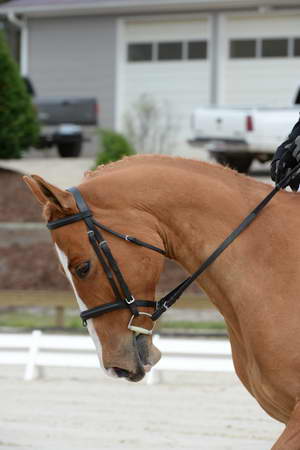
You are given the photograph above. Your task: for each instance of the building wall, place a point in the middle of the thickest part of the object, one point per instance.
(74, 56)
(175, 86)
(88, 56)
(270, 81)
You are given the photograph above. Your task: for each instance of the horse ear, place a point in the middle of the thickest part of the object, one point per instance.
(47, 194)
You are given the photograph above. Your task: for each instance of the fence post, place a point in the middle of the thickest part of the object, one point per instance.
(31, 371)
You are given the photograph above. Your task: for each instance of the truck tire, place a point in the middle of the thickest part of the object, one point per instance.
(241, 163)
(69, 149)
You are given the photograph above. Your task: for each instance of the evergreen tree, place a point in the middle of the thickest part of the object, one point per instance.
(19, 127)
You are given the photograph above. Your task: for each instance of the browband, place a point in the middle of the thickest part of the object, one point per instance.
(69, 219)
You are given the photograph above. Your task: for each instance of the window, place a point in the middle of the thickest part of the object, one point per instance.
(274, 48)
(297, 47)
(245, 48)
(197, 50)
(139, 52)
(169, 51)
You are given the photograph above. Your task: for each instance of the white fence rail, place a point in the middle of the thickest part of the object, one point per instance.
(38, 350)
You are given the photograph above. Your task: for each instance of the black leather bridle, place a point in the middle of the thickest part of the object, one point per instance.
(123, 296)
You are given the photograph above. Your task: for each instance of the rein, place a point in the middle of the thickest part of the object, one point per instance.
(123, 297)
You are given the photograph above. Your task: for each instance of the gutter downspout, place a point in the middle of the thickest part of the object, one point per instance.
(22, 25)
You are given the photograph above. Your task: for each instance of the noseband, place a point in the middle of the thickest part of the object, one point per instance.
(123, 297)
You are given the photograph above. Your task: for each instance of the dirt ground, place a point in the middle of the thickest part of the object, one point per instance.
(72, 409)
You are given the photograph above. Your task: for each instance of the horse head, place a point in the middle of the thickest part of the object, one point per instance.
(121, 351)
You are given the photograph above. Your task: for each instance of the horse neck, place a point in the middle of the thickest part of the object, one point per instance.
(195, 206)
(197, 211)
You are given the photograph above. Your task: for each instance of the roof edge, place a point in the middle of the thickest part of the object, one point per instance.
(129, 6)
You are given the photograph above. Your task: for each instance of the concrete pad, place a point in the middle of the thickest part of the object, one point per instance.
(63, 172)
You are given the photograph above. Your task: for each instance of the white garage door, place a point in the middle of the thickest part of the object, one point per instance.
(169, 63)
(262, 59)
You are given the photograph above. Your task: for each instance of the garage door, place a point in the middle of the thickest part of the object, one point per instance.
(262, 59)
(168, 61)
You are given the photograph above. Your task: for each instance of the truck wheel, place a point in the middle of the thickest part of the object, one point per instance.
(69, 149)
(241, 163)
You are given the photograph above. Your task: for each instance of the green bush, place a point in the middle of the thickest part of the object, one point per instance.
(113, 147)
(19, 127)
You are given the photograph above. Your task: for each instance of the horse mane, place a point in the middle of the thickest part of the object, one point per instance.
(149, 159)
(176, 162)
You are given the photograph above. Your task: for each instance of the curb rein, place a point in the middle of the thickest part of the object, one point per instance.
(123, 297)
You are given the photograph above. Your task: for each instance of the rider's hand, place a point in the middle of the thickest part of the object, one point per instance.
(285, 159)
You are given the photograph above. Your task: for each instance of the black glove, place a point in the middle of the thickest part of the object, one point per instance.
(287, 156)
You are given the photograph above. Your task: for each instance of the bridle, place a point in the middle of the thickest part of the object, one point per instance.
(123, 297)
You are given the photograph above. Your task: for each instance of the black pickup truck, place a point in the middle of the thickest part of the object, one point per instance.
(66, 122)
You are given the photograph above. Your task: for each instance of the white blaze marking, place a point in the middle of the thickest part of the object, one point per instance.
(64, 262)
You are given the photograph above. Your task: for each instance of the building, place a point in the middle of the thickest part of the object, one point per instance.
(187, 53)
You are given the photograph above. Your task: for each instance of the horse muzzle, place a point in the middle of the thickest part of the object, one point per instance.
(139, 360)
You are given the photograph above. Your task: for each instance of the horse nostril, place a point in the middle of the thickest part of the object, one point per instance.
(122, 373)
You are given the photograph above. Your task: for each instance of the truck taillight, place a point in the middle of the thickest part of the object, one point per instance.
(249, 123)
(97, 109)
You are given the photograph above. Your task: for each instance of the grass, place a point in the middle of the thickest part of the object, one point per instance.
(26, 319)
(183, 324)
(39, 309)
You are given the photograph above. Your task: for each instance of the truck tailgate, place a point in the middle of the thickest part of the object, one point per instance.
(75, 110)
(220, 123)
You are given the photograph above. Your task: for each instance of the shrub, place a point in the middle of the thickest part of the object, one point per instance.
(113, 147)
(19, 128)
(150, 125)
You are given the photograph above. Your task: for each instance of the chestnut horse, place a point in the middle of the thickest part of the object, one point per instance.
(187, 208)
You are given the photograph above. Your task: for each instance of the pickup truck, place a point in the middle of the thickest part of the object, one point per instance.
(236, 136)
(66, 122)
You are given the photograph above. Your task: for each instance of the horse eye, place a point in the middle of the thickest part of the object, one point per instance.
(83, 269)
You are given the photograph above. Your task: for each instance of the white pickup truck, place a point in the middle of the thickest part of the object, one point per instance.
(237, 136)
